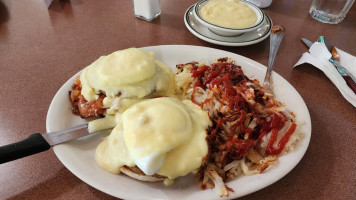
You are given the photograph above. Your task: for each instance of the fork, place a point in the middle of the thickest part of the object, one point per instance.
(277, 33)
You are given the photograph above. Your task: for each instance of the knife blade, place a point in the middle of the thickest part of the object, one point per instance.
(307, 42)
(38, 142)
(348, 79)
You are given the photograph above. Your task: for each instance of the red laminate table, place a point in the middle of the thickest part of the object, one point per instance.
(42, 48)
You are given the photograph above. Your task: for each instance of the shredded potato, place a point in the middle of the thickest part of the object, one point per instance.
(250, 128)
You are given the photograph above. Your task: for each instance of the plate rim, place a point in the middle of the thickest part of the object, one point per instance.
(232, 195)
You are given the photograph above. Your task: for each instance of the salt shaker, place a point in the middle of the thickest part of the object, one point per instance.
(147, 9)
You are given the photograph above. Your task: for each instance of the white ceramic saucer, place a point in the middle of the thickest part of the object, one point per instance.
(202, 32)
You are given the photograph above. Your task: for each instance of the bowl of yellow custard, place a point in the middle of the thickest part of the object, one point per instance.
(228, 17)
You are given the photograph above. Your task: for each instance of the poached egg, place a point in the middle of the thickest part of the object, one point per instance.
(162, 136)
(125, 77)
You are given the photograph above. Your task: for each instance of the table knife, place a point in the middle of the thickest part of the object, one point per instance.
(38, 142)
(344, 75)
(307, 42)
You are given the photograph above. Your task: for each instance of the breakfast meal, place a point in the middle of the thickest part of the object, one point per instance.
(228, 14)
(208, 119)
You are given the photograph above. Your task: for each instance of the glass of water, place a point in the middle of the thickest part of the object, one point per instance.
(330, 11)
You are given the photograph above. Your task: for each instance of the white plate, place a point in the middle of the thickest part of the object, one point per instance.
(78, 155)
(202, 32)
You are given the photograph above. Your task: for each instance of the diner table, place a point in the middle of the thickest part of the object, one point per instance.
(41, 48)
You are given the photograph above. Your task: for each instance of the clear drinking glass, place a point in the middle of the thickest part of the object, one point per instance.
(330, 11)
(147, 9)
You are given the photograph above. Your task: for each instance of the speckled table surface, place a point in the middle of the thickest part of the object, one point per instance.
(42, 48)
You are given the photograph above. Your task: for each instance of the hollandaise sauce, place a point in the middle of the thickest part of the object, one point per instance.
(228, 14)
(124, 77)
(129, 73)
(160, 136)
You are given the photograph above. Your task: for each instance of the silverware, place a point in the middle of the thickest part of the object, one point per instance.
(307, 42)
(277, 33)
(37, 143)
(335, 58)
(348, 77)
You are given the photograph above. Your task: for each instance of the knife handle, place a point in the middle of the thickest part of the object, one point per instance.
(35, 143)
(350, 83)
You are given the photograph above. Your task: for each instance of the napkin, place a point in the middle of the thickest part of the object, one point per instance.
(318, 56)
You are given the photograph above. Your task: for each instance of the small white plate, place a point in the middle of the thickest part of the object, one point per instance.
(78, 155)
(202, 32)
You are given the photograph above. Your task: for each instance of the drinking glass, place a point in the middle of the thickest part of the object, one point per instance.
(330, 11)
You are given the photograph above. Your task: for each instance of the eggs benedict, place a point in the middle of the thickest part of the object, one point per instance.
(161, 136)
(114, 82)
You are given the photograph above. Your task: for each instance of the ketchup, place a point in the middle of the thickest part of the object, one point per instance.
(228, 83)
(270, 150)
